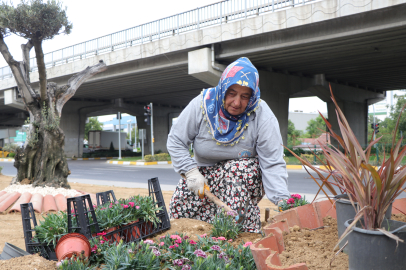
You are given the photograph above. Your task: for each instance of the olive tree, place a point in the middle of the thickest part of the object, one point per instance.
(42, 160)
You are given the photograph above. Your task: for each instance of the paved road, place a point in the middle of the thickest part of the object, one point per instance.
(101, 173)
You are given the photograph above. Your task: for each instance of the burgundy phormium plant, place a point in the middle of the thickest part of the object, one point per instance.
(349, 169)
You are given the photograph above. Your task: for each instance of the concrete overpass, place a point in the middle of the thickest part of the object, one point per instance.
(356, 45)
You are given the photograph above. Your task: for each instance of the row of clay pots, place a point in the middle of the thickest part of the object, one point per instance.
(41, 204)
(266, 251)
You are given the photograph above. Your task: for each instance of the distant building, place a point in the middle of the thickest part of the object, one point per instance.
(383, 108)
(300, 119)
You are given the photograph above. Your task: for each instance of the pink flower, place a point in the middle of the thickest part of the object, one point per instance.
(149, 241)
(137, 207)
(173, 246)
(179, 241)
(94, 248)
(297, 196)
(175, 236)
(230, 240)
(101, 234)
(163, 236)
(131, 204)
(192, 242)
(101, 242)
(125, 206)
(215, 247)
(161, 244)
(214, 238)
(203, 235)
(200, 253)
(247, 244)
(222, 238)
(291, 201)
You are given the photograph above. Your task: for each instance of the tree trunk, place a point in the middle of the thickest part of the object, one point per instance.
(43, 160)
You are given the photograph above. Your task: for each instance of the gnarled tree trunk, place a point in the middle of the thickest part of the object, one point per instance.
(42, 160)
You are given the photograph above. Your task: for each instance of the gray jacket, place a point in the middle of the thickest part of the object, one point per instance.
(262, 138)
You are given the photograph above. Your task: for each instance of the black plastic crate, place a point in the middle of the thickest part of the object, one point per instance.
(83, 209)
(104, 197)
(29, 223)
(143, 229)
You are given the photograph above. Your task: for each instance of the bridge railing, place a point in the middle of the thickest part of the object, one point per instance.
(206, 16)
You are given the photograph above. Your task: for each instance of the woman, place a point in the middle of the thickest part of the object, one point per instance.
(237, 145)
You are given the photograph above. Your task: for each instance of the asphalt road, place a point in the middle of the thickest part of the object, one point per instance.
(101, 173)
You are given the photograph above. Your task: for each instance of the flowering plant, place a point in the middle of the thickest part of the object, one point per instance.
(295, 200)
(74, 263)
(225, 225)
(53, 227)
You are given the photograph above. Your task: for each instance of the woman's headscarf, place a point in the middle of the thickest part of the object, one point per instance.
(225, 128)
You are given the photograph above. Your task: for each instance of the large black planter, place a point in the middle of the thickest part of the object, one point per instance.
(372, 250)
(346, 211)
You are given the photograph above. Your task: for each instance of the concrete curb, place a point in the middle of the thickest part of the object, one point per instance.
(7, 159)
(139, 163)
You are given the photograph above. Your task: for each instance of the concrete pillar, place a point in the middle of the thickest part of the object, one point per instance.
(356, 114)
(73, 127)
(200, 66)
(162, 123)
(274, 91)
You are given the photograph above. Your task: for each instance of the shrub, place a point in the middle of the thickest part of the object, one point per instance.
(149, 158)
(162, 157)
(1, 168)
(10, 147)
(111, 147)
(12, 155)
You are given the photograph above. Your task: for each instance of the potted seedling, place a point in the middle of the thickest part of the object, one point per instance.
(375, 242)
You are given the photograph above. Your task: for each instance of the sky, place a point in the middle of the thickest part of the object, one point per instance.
(95, 18)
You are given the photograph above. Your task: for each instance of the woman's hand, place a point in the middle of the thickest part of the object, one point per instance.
(195, 181)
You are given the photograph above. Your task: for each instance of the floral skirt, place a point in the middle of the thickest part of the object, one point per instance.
(234, 182)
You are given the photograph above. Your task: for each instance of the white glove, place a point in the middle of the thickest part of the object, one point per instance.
(195, 181)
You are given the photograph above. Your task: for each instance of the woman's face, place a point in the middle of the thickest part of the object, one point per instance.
(237, 98)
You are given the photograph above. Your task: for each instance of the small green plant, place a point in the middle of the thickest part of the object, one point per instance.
(74, 263)
(1, 168)
(224, 225)
(295, 200)
(53, 227)
(162, 157)
(11, 154)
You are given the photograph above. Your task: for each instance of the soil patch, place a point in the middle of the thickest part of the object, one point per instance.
(315, 248)
(399, 217)
(29, 262)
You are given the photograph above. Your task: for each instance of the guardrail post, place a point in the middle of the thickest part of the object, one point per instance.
(198, 19)
(142, 35)
(273, 5)
(245, 8)
(125, 38)
(178, 23)
(159, 30)
(97, 46)
(111, 42)
(221, 13)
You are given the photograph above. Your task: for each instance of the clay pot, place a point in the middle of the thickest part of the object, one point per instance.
(131, 232)
(115, 237)
(70, 244)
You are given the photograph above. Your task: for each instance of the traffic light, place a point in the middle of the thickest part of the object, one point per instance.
(376, 128)
(147, 113)
(372, 126)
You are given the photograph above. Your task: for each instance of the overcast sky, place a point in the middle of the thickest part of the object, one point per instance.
(95, 18)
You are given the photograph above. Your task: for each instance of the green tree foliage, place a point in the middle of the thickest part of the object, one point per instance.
(133, 132)
(93, 124)
(315, 127)
(293, 134)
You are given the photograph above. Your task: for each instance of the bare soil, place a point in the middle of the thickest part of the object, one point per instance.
(315, 248)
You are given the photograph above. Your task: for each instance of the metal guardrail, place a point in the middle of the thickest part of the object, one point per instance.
(214, 14)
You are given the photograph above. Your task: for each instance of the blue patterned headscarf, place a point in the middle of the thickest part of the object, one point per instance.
(225, 128)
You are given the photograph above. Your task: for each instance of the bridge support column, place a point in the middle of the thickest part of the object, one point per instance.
(275, 92)
(356, 114)
(162, 123)
(73, 127)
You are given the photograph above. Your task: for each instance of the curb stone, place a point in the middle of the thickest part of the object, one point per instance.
(139, 163)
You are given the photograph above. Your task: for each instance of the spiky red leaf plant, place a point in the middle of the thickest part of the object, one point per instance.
(349, 169)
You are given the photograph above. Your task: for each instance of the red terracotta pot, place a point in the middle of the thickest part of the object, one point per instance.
(114, 237)
(131, 232)
(70, 244)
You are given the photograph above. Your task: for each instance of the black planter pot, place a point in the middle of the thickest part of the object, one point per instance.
(10, 251)
(345, 211)
(372, 250)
